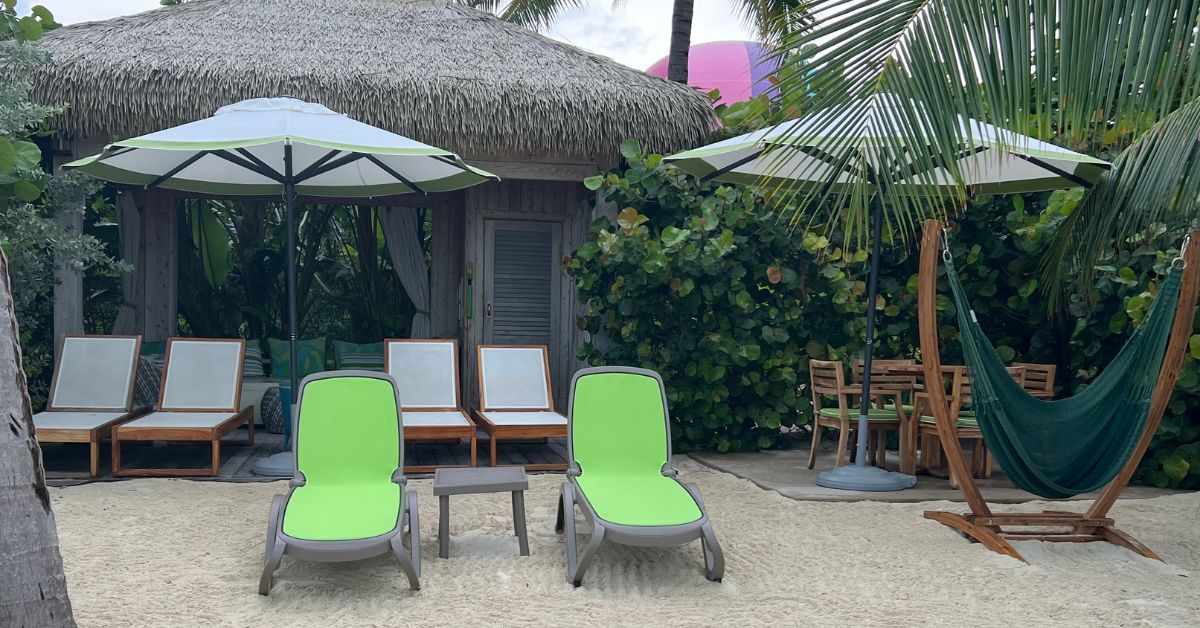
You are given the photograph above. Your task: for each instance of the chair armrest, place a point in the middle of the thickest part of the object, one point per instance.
(298, 480)
(573, 470)
(398, 477)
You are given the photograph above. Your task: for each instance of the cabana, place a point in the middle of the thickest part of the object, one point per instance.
(539, 113)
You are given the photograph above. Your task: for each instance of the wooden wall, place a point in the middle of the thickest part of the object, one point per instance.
(567, 205)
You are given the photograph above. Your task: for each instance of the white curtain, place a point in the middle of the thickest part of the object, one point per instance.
(402, 230)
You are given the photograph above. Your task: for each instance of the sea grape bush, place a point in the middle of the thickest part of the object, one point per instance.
(707, 285)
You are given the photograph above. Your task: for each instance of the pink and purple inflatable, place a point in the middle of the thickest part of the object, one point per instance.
(737, 68)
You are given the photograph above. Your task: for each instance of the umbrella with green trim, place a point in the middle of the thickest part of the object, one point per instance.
(268, 146)
(853, 151)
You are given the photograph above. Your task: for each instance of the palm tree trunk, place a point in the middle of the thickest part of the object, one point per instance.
(681, 41)
(33, 591)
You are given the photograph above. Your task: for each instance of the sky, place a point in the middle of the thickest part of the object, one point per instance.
(636, 34)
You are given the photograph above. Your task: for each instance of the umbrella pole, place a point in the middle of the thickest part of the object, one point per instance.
(289, 203)
(869, 347)
(859, 476)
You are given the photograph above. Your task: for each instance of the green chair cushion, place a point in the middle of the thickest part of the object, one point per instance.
(639, 500)
(310, 353)
(873, 414)
(966, 419)
(253, 366)
(619, 438)
(347, 446)
(907, 407)
(347, 355)
(340, 513)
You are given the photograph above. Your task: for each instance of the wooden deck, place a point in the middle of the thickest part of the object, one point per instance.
(66, 463)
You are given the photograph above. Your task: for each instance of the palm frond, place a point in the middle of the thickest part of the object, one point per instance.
(1050, 69)
(1151, 182)
(535, 14)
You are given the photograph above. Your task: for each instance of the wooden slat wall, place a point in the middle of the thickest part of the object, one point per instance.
(567, 205)
(159, 262)
(446, 268)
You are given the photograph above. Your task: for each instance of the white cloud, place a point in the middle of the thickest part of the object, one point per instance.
(71, 11)
(636, 34)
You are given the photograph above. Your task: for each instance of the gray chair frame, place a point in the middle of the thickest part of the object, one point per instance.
(407, 529)
(643, 536)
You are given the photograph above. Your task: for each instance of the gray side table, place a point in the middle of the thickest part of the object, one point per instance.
(468, 480)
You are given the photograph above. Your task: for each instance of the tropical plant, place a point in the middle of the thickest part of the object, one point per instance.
(772, 19)
(705, 285)
(1082, 74)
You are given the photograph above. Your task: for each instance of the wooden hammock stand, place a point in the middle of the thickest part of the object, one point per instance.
(995, 530)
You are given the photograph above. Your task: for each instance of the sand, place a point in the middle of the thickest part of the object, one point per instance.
(182, 553)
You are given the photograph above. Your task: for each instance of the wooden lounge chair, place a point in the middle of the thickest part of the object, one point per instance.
(90, 392)
(515, 401)
(198, 402)
(426, 373)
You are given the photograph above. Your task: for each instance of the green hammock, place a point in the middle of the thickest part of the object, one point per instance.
(1061, 448)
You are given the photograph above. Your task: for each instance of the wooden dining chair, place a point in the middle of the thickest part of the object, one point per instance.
(893, 383)
(826, 379)
(966, 427)
(1038, 379)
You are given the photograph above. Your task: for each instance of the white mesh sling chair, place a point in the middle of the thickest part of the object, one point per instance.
(91, 391)
(515, 400)
(347, 499)
(426, 373)
(620, 474)
(198, 402)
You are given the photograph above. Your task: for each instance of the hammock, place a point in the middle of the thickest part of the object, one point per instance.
(1061, 448)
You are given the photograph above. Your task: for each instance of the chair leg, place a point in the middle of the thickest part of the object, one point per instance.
(578, 564)
(881, 449)
(843, 438)
(714, 558)
(216, 457)
(116, 456)
(94, 458)
(275, 548)
(472, 448)
(410, 558)
(492, 442)
(816, 443)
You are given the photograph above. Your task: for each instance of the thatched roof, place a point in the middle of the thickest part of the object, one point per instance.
(432, 70)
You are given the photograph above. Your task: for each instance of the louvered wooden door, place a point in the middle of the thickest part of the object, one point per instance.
(521, 287)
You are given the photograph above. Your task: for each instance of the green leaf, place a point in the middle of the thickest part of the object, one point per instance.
(630, 149)
(29, 27)
(1176, 468)
(8, 155)
(594, 182)
(212, 243)
(629, 218)
(1194, 346)
(672, 236)
(27, 191)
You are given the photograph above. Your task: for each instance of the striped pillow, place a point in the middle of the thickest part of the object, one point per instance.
(368, 357)
(253, 366)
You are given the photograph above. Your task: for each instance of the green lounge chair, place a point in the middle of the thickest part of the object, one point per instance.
(620, 473)
(347, 499)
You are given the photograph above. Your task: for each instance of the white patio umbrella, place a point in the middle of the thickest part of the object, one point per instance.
(855, 146)
(284, 146)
